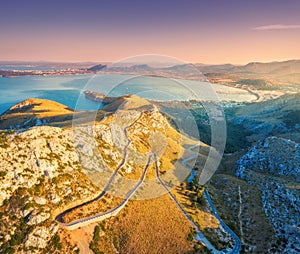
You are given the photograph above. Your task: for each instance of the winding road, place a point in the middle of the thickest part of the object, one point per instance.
(194, 156)
(117, 208)
(199, 236)
(237, 246)
(237, 241)
(59, 217)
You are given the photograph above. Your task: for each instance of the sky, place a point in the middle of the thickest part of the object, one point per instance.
(196, 31)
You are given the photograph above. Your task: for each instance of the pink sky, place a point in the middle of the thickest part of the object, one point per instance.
(193, 31)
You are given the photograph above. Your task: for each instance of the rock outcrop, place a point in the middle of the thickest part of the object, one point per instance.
(276, 156)
(45, 170)
(273, 166)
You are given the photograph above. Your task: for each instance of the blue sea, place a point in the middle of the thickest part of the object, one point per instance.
(68, 89)
(63, 89)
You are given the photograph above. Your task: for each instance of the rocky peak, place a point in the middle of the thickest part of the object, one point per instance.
(277, 156)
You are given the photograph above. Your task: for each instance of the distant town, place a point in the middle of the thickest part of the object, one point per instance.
(52, 72)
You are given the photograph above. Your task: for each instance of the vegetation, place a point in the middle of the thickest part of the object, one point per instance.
(3, 141)
(292, 118)
(94, 245)
(191, 235)
(236, 137)
(96, 233)
(223, 186)
(56, 242)
(236, 134)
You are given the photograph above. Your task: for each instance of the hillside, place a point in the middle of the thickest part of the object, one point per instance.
(272, 165)
(35, 112)
(266, 80)
(257, 185)
(43, 173)
(53, 177)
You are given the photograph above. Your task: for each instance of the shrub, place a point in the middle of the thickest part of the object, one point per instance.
(96, 233)
(16, 240)
(190, 237)
(56, 242)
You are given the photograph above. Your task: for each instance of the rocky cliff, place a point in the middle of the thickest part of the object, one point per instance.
(42, 171)
(273, 166)
(276, 156)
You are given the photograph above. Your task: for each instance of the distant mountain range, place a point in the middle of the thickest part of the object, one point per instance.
(284, 75)
(284, 67)
(280, 67)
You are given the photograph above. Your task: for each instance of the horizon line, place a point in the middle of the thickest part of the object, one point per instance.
(109, 62)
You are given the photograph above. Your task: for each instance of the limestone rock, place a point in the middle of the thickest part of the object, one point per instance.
(38, 238)
(35, 218)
